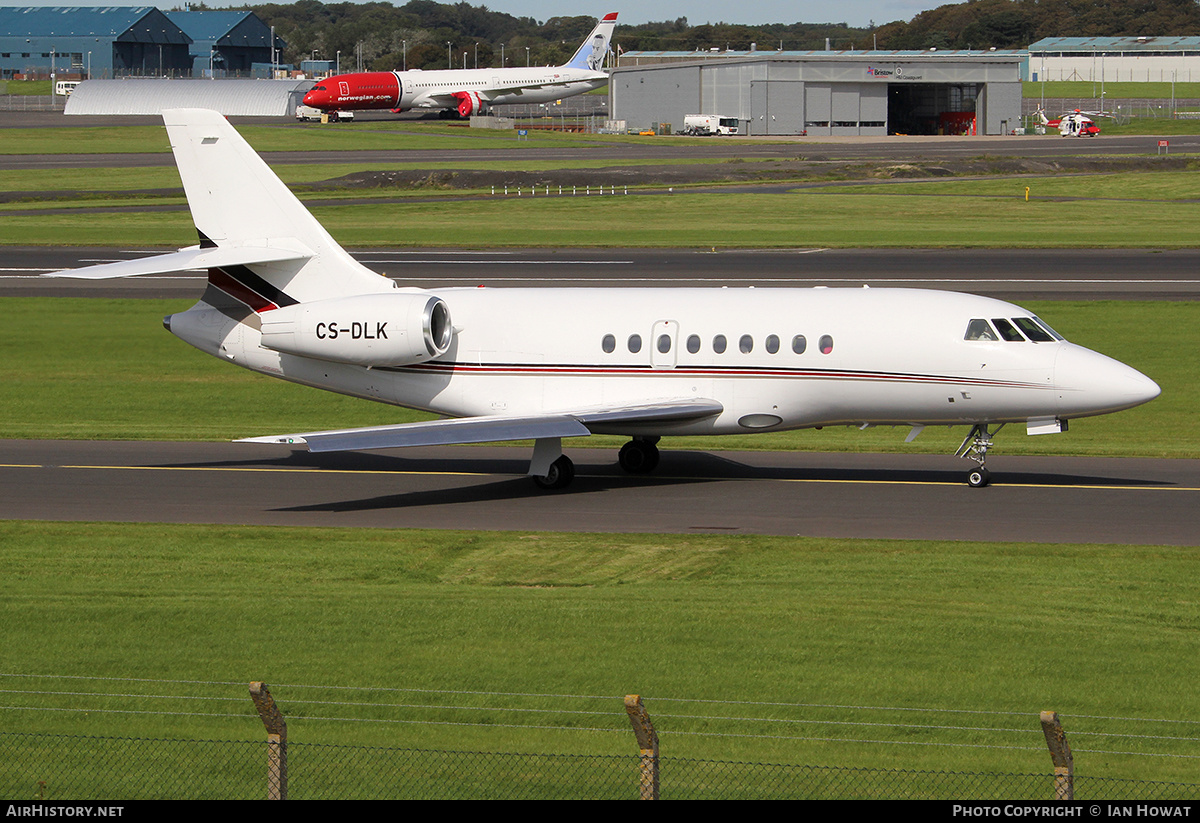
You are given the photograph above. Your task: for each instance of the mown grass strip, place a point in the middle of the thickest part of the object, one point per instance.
(832, 217)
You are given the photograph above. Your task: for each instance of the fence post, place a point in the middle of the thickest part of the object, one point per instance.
(273, 720)
(1060, 755)
(647, 740)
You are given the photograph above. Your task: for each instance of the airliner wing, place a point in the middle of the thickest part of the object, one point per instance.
(497, 428)
(185, 260)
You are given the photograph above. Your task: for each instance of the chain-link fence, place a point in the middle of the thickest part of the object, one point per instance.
(51, 767)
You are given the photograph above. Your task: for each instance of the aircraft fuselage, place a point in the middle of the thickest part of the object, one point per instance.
(774, 359)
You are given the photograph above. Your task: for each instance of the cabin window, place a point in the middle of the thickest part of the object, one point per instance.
(772, 344)
(1007, 331)
(799, 344)
(719, 344)
(746, 344)
(825, 344)
(609, 343)
(693, 343)
(1032, 330)
(635, 343)
(664, 343)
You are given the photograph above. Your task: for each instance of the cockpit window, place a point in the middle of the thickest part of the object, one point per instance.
(1032, 330)
(979, 330)
(1006, 329)
(1049, 330)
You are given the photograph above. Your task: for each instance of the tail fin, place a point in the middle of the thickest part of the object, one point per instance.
(593, 50)
(238, 202)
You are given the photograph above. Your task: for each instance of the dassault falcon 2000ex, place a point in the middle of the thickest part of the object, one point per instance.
(468, 91)
(540, 364)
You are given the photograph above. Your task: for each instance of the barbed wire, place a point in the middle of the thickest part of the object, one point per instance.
(562, 711)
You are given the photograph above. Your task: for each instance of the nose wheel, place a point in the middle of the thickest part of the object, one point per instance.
(975, 447)
(978, 478)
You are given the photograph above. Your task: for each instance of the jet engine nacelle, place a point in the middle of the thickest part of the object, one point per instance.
(469, 103)
(364, 330)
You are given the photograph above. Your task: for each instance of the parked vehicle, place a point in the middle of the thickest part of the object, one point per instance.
(704, 125)
(309, 114)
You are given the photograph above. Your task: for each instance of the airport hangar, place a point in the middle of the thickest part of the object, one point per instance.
(825, 93)
(86, 42)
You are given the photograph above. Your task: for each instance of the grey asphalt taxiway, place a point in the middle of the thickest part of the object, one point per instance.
(1009, 274)
(1040, 499)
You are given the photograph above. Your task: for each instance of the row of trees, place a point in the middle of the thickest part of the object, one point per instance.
(1014, 24)
(427, 34)
(430, 35)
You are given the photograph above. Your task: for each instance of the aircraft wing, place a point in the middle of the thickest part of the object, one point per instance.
(185, 260)
(496, 428)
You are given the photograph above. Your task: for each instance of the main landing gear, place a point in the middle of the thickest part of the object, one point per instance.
(639, 455)
(559, 476)
(552, 470)
(975, 446)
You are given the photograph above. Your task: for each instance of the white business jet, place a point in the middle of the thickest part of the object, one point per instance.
(286, 300)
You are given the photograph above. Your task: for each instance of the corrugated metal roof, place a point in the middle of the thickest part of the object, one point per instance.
(152, 95)
(70, 21)
(214, 25)
(1116, 44)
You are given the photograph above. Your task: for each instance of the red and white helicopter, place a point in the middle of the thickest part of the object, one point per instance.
(1075, 124)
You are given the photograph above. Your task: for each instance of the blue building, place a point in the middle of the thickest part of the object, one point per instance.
(231, 43)
(112, 41)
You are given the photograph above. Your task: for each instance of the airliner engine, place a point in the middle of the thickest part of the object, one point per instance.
(365, 330)
(469, 103)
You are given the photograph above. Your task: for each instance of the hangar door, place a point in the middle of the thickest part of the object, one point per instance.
(845, 108)
(932, 108)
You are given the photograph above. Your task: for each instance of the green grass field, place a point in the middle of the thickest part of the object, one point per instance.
(757, 625)
(1129, 211)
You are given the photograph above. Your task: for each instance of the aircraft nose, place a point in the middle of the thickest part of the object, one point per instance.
(314, 98)
(1090, 383)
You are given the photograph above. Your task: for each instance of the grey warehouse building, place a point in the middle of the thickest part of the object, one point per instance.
(824, 92)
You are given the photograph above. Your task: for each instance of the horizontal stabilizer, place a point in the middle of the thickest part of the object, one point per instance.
(186, 260)
(494, 429)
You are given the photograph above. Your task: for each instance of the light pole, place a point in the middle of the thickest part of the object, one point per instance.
(449, 57)
(527, 57)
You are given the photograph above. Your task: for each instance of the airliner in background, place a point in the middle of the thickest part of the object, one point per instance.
(284, 299)
(468, 91)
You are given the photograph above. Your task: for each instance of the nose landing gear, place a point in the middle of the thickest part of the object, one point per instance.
(975, 447)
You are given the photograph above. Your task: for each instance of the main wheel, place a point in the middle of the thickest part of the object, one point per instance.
(978, 478)
(562, 472)
(638, 457)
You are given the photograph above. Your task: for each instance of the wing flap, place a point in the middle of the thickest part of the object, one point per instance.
(185, 260)
(494, 429)
(435, 433)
